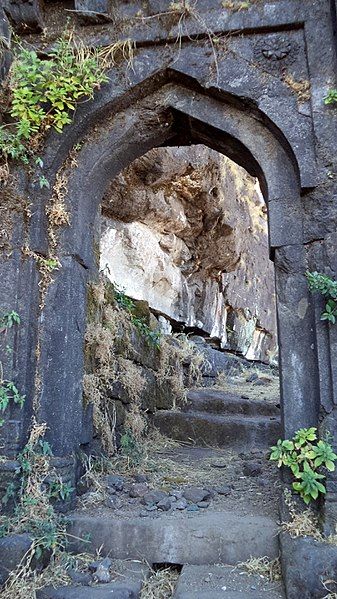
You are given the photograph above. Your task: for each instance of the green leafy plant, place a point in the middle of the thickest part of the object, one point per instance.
(8, 390)
(131, 449)
(327, 287)
(304, 454)
(43, 182)
(44, 94)
(152, 337)
(9, 319)
(60, 490)
(331, 97)
(33, 493)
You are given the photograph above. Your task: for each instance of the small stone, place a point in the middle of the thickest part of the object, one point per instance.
(219, 464)
(164, 504)
(180, 504)
(126, 488)
(141, 478)
(102, 574)
(172, 498)
(252, 469)
(195, 494)
(82, 487)
(244, 396)
(153, 497)
(224, 490)
(103, 563)
(203, 504)
(192, 508)
(143, 514)
(115, 481)
(252, 377)
(151, 508)
(78, 577)
(177, 493)
(113, 502)
(138, 490)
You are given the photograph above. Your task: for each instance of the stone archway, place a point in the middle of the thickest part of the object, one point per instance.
(173, 114)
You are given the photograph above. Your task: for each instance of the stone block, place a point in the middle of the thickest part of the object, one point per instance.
(25, 15)
(206, 538)
(12, 549)
(306, 565)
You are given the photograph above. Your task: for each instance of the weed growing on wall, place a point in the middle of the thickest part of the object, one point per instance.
(38, 485)
(152, 337)
(327, 287)
(307, 457)
(44, 93)
(331, 97)
(9, 392)
(39, 95)
(37, 488)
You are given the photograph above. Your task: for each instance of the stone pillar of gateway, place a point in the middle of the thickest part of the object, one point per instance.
(248, 81)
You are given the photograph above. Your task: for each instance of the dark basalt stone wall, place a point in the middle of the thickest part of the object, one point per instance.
(254, 90)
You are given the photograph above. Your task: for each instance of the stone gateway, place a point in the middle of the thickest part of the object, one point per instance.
(246, 79)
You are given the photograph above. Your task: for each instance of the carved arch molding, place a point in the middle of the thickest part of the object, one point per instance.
(257, 95)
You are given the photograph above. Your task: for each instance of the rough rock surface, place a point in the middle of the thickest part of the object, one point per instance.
(186, 230)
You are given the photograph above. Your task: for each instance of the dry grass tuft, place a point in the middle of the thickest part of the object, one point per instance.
(161, 584)
(263, 566)
(124, 50)
(24, 582)
(177, 352)
(301, 524)
(236, 5)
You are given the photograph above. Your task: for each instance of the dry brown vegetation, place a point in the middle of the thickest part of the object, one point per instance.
(110, 353)
(301, 88)
(161, 584)
(263, 566)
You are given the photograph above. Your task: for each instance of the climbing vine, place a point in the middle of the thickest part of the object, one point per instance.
(327, 287)
(9, 393)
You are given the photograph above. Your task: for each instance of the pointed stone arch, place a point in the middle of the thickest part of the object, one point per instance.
(170, 114)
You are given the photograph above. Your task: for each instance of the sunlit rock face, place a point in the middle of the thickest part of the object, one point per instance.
(186, 230)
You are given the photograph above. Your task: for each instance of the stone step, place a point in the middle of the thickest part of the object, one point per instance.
(216, 537)
(221, 402)
(127, 584)
(224, 582)
(239, 432)
(107, 591)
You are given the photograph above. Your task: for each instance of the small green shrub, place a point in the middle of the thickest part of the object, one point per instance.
(304, 454)
(44, 93)
(327, 287)
(331, 97)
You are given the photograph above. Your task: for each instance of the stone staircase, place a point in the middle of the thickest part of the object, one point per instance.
(208, 545)
(222, 419)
